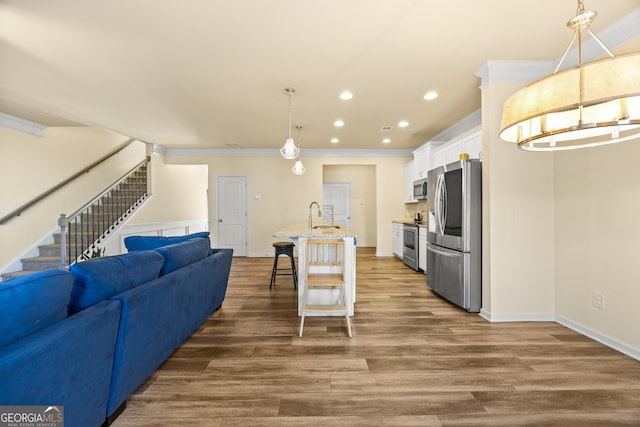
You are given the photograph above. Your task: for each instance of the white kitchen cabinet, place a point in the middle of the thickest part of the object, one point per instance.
(422, 248)
(422, 161)
(409, 177)
(447, 153)
(439, 156)
(397, 239)
(472, 144)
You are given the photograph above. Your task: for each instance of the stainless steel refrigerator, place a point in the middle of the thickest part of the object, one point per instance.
(454, 237)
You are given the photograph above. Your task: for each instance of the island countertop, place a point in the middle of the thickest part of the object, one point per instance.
(303, 230)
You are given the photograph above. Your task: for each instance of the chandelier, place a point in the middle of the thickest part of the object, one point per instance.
(585, 106)
(289, 150)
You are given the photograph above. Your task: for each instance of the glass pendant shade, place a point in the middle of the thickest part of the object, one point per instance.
(289, 151)
(585, 106)
(298, 168)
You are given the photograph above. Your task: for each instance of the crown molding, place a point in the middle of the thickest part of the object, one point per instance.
(22, 125)
(513, 71)
(268, 152)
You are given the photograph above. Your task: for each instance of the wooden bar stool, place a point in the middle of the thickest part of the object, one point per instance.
(284, 248)
(325, 270)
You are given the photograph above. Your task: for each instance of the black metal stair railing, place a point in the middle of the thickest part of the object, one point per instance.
(82, 232)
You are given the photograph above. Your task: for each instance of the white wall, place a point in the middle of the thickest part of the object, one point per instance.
(518, 221)
(30, 165)
(597, 242)
(559, 227)
(179, 193)
(284, 197)
(363, 198)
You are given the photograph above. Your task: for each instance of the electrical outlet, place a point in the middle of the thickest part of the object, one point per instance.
(598, 300)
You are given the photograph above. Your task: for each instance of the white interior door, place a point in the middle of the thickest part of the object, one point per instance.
(232, 214)
(338, 195)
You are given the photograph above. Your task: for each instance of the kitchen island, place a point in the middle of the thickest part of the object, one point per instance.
(299, 233)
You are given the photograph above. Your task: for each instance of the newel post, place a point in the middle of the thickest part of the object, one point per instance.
(63, 223)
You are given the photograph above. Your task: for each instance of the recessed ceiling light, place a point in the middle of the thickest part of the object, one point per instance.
(403, 124)
(346, 95)
(338, 123)
(334, 140)
(431, 95)
(386, 140)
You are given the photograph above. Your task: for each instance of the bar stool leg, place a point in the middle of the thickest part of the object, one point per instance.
(295, 273)
(273, 270)
(301, 326)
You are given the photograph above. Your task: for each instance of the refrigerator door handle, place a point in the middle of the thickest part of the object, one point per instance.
(447, 253)
(439, 206)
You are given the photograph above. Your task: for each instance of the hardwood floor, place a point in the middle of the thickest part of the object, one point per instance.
(414, 360)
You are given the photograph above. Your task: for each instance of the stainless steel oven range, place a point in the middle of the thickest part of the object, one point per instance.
(410, 249)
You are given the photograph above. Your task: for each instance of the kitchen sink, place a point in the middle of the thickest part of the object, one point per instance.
(328, 227)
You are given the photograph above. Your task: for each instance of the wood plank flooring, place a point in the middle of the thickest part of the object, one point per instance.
(414, 360)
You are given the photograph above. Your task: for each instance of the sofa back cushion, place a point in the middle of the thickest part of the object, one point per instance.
(101, 278)
(33, 302)
(145, 243)
(178, 255)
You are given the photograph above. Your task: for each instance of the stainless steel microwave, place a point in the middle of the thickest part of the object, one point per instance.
(420, 189)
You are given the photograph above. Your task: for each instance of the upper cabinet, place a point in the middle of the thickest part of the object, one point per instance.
(409, 177)
(433, 154)
(470, 143)
(422, 161)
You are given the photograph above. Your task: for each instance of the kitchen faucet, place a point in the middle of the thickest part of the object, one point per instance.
(311, 216)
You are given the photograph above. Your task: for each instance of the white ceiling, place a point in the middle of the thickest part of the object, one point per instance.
(212, 73)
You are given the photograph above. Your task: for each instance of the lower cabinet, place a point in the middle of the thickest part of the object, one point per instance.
(422, 249)
(397, 239)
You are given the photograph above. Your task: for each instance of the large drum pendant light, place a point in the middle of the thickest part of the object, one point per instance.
(585, 106)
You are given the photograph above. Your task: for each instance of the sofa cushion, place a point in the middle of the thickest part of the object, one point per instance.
(143, 243)
(33, 302)
(178, 255)
(101, 278)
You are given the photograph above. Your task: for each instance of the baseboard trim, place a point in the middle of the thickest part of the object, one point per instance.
(385, 254)
(531, 317)
(634, 353)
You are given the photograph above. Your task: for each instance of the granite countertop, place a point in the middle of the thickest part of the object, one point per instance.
(302, 230)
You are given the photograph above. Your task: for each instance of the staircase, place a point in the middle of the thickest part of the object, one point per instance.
(90, 225)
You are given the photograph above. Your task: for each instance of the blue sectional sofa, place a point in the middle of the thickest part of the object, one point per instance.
(88, 338)
(50, 358)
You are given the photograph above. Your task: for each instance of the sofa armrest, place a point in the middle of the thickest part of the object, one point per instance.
(67, 364)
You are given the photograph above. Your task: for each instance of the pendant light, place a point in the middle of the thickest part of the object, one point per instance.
(584, 106)
(298, 168)
(289, 150)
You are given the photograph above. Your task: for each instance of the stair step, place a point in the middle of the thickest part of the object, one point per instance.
(40, 263)
(49, 250)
